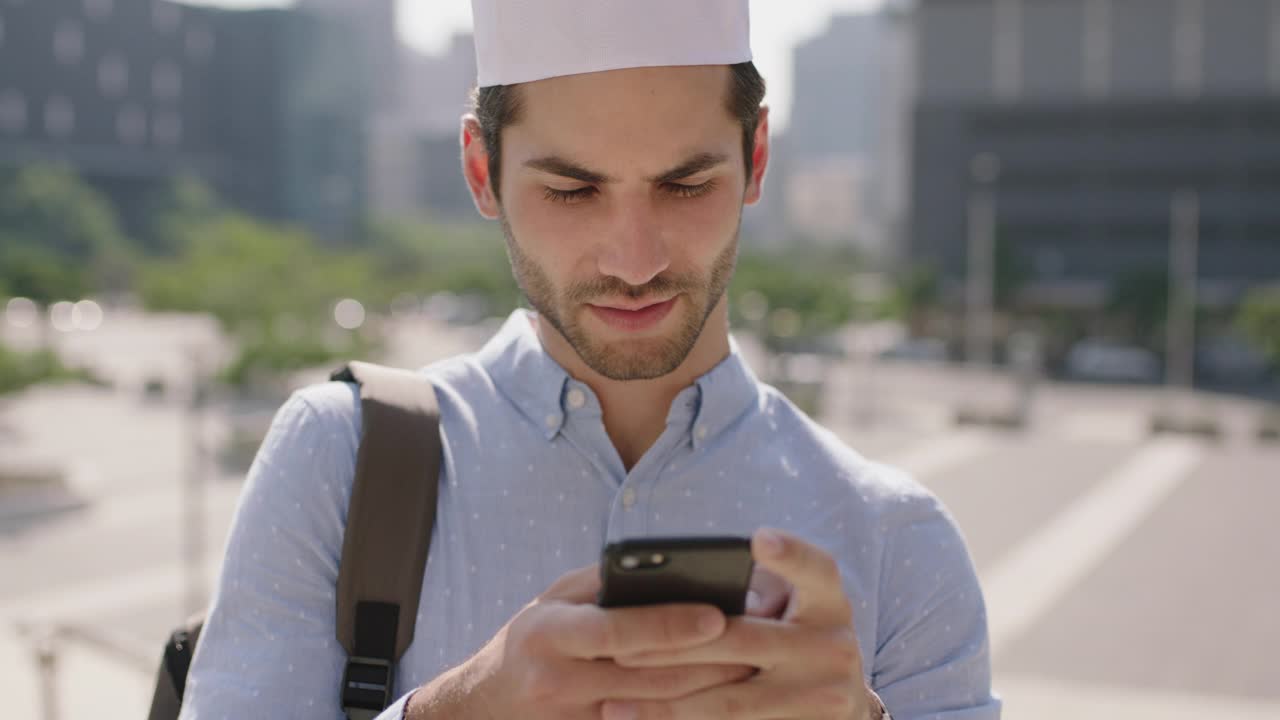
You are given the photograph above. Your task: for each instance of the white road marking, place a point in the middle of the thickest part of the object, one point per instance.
(1033, 575)
(1109, 426)
(1035, 698)
(938, 454)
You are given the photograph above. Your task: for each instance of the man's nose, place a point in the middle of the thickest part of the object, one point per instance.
(635, 250)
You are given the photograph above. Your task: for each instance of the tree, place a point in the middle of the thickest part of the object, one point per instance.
(1259, 320)
(811, 282)
(1140, 299)
(184, 203)
(915, 293)
(19, 370)
(269, 286)
(59, 238)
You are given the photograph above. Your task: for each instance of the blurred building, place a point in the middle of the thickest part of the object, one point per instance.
(1086, 116)
(410, 151)
(119, 91)
(282, 111)
(847, 141)
(416, 164)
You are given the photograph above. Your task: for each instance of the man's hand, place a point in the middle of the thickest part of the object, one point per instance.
(554, 659)
(808, 661)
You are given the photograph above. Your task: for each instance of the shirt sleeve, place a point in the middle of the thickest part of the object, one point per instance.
(932, 658)
(269, 645)
(396, 710)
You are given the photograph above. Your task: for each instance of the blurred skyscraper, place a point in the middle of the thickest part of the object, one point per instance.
(847, 144)
(377, 48)
(267, 106)
(1085, 118)
(411, 160)
(416, 155)
(315, 114)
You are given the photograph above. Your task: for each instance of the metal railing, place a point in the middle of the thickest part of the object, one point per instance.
(47, 640)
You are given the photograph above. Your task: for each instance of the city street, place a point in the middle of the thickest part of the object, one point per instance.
(1126, 575)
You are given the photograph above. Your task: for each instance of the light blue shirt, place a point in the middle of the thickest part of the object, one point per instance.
(532, 487)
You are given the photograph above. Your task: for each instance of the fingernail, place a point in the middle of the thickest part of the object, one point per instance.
(710, 622)
(619, 711)
(770, 543)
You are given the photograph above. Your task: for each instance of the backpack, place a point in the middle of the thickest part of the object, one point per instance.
(384, 548)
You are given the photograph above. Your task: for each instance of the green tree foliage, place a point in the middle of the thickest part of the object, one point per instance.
(915, 292)
(19, 370)
(1140, 300)
(812, 281)
(245, 272)
(1259, 320)
(427, 258)
(59, 238)
(184, 203)
(270, 287)
(29, 270)
(1011, 271)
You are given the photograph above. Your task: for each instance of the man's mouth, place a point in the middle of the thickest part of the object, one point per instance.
(633, 316)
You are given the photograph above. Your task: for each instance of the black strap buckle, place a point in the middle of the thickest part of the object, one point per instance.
(366, 687)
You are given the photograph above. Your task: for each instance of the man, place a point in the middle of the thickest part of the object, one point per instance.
(617, 143)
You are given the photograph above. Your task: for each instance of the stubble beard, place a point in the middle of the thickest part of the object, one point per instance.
(624, 360)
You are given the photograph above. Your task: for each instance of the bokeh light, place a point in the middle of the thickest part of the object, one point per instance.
(86, 315)
(20, 312)
(61, 316)
(349, 314)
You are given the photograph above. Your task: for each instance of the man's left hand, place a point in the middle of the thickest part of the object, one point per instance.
(808, 658)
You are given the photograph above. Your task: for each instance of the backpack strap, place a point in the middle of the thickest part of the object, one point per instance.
(388, 533)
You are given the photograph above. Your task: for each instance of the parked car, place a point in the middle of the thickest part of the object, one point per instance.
(921, 349)
(1230, 360)
(1101, 360)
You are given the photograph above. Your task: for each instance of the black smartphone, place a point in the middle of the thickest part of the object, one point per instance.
(649, 571)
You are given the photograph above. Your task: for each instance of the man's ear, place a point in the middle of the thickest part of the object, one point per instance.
(475, 167)
(759, 159)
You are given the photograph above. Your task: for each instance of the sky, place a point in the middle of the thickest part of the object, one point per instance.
(776, 26)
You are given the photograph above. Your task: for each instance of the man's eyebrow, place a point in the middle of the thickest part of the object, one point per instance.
(692, 166)
(559, 166)
(555, 165)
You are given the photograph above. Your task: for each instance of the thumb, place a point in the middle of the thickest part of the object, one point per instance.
(769, 594)
(578, 586)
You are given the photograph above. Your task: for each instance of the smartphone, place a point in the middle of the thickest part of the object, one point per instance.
(648, 571)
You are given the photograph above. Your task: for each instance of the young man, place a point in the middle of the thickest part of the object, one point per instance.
(617, 143)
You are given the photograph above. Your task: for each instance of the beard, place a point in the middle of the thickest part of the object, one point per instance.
(634, 359)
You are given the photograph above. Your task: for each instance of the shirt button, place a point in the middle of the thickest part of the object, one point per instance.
(701, 432)
(553, 421)
(577, 399)
(628, 498)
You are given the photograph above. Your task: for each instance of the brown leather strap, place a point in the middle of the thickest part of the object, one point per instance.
(392, 510)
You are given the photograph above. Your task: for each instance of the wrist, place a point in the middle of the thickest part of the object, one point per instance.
(447, 696)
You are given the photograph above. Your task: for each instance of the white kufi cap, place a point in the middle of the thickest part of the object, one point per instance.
(525, 40)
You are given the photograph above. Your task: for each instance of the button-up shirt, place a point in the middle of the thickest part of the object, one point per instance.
(532, 487)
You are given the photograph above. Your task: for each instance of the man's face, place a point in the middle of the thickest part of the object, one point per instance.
(622, 196)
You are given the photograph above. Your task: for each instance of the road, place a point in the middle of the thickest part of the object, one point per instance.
(1126, 575)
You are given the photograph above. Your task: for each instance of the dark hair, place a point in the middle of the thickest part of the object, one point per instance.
(498, 106)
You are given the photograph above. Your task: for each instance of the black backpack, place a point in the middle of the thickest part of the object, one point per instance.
(384, 549)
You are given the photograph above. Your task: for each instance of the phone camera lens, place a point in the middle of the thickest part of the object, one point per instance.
(657, 558)
(630, 562)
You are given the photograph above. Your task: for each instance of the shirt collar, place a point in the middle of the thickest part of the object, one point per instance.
(724, 394)
(526, 373)
(545, 394)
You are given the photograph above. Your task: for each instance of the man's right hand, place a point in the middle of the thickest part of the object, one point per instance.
(554, 659)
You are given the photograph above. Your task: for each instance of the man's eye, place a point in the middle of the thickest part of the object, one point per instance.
(568, 196)
(691, 191)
